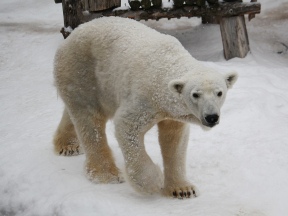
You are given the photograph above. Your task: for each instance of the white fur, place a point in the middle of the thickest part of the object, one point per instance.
(118, 68)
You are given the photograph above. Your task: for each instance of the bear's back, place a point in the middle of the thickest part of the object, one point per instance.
(117, 35)
(118, 28)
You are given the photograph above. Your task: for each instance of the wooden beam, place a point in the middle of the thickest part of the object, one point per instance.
(221, 9)
(234, 37)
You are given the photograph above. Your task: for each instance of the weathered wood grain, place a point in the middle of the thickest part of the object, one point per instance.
(234, 37)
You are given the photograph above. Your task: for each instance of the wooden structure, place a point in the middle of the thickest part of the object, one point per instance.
(230, 16)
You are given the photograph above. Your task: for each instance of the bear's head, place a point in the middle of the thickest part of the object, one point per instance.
(203, 94)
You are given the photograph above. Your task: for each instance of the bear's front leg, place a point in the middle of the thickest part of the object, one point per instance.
(142, 173)
(173, 139)
(90, 126)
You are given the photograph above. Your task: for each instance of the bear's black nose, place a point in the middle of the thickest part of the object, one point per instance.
(212, 119)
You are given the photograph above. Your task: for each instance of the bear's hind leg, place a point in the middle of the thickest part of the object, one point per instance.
(173, 139)
(65, 139)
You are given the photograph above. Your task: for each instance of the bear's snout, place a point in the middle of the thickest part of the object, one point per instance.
(212, 120)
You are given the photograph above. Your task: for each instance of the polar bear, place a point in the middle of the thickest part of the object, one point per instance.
(121, 69)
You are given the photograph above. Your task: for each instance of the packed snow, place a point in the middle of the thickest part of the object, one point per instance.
(240, 167)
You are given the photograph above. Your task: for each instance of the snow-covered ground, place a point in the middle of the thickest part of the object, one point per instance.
(240, 167)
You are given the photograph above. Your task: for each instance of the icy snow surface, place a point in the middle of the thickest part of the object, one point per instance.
(240, 167)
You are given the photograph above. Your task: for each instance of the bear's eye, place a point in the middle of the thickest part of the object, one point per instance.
(219, 94)
(195, 95)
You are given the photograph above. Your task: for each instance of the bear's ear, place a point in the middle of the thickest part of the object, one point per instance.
(230, 79)
(176, 86)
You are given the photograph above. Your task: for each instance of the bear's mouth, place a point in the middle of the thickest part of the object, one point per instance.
(207, 124)
(211, 125)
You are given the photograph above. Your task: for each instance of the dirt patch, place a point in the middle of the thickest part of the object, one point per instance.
(28, 27)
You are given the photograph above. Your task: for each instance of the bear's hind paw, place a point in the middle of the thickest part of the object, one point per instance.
(70, 150)
(102, 175)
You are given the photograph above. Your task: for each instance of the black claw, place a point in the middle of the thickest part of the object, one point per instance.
(194, 193)
(174, 193)
(184, 194)
(60, 153)
(181, 194)
(189, 194)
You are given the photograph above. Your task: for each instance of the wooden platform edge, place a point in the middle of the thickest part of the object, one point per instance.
(221, 10)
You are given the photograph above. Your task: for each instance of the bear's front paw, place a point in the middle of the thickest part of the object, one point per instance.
(148, 179)
(180, 190)
(98, 174)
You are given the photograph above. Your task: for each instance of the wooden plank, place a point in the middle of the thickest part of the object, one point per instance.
(234, 37)
(99, 5)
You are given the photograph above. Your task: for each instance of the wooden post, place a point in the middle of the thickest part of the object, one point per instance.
(234, 37)
(157, 3)
(71, 18)
(134, 4)
(145, 4)
(178, 3)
